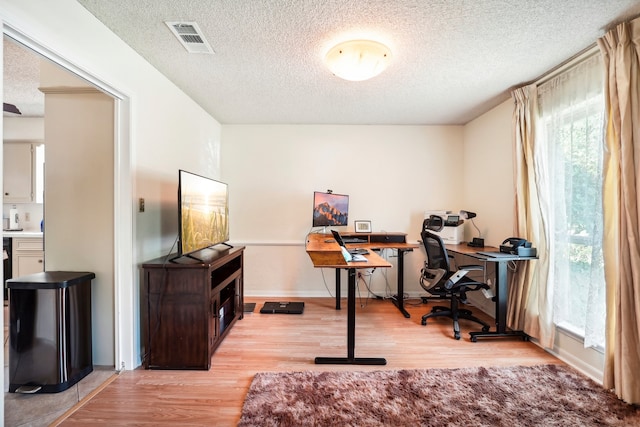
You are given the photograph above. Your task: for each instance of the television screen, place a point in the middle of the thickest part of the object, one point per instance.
(203, 209)
(330, 209)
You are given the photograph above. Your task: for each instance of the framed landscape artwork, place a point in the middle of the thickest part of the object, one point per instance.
(362, 226)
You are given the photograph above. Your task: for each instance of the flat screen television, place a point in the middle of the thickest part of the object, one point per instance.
(203, 212)
(330, 209)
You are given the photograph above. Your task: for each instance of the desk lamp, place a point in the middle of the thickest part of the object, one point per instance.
(477, 242)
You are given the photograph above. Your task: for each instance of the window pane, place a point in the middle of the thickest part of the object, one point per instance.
(572, 117)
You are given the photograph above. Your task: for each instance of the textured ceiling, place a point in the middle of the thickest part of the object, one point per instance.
(452, 59)
(21, 80)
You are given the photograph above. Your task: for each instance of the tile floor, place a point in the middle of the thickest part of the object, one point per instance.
(42, 409)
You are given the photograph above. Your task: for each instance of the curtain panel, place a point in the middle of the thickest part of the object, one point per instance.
(620, 48)
(529, 306)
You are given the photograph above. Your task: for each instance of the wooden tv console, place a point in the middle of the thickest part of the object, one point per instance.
(189, 307)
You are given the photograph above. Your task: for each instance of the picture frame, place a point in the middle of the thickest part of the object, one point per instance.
(362, 226)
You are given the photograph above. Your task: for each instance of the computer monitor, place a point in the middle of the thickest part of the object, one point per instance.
(330, 209)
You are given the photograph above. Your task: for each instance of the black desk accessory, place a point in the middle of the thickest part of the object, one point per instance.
(477, 242)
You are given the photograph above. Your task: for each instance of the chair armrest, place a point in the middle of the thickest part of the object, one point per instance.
(471, 267)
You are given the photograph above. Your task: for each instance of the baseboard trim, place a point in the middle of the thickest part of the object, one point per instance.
(84, 401)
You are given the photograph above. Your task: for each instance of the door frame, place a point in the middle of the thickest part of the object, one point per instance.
(124, 186)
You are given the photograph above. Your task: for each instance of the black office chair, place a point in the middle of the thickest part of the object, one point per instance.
(441, 282)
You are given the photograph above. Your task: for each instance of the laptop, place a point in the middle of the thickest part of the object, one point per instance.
(338, 238)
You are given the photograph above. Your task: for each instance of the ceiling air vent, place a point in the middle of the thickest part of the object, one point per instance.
(190, 35)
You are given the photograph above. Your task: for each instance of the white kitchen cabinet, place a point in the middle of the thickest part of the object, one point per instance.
(27, 256)
(18, 172)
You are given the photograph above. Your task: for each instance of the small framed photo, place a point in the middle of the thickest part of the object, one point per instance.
(362, 226)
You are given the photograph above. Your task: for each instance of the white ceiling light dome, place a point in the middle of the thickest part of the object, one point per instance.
(357, 60)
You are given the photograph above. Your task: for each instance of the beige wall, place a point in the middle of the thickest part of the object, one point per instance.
(79, 197)
(23, 129)
(392, 174)
(489, 188)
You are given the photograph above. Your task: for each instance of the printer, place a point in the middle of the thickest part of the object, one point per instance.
(453, 230)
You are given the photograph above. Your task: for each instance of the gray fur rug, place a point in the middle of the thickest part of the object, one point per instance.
(545, 395)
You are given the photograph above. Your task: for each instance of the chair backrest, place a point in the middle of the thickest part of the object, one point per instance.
(434, 222)
(437, 256)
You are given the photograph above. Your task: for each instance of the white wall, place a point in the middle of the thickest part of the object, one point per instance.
(392, 174)
(164, 130)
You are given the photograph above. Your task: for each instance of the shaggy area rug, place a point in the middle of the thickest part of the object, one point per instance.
(545, 395)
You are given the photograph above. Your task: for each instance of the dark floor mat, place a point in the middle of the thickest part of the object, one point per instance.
(282, 308)
(249, 307)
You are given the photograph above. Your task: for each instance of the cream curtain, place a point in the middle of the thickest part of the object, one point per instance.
(620, 48)
(530, 299)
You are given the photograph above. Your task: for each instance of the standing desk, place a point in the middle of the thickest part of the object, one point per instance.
(326, 254)
(379, 241)
(501, 298)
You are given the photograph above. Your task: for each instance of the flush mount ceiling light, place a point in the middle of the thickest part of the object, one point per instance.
(358, 60)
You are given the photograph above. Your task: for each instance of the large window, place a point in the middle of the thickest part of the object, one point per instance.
(571, 126)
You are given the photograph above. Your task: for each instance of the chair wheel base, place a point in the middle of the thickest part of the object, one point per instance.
(424, 322)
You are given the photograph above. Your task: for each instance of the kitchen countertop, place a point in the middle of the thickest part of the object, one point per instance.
(25, 233)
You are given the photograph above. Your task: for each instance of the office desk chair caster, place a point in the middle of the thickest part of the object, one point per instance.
(455, 314)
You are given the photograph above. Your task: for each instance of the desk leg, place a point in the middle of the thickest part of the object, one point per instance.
(399, 301)
(351, 334)
(338, 291)
(501, 309)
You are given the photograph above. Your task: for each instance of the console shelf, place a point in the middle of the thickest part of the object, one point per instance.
(380, 237)
(190, 306)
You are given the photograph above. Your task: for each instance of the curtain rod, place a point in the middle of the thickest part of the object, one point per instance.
(583, 55)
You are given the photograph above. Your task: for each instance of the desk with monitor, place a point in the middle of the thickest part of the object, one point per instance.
(325, 253)
(501, 281)
(377, 242)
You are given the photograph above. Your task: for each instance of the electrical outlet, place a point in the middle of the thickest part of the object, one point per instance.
(141, 204)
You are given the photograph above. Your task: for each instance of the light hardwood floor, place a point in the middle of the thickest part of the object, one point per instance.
(282, 342)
